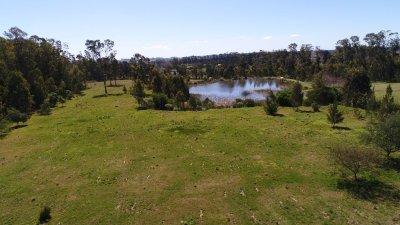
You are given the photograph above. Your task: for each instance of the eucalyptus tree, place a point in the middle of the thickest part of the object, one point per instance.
(103, 54)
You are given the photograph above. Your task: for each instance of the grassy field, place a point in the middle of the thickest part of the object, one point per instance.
(98, 160)
(380, 90)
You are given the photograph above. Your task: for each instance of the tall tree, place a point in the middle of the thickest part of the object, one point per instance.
(138, 93)
(297, 95)
(19, 95)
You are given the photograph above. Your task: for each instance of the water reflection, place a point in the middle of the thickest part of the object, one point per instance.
(228, 91)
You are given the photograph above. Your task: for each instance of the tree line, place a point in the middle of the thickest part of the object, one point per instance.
(378, 56)
(35, 73)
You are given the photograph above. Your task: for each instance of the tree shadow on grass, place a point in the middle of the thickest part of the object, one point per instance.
(142, 108)
(18, 126)
(278, 115)
(305, 111)
(5, 131)
(341, 128)
(370, 190)
(104, 95)
(392, 163)
(113, 85)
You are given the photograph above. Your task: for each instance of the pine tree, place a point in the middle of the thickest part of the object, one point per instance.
(137, 91)
(387, 106)
(334, 115)
(297, 95)
(271, 105)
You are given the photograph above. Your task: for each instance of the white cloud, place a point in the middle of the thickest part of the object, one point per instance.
(197, 42)
(267, 37)
(294, 35)
(160, 46)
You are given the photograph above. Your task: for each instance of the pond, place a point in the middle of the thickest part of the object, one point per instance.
(225, 92)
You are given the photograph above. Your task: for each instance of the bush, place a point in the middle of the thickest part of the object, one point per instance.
(62, 101)
(385, 134)
(169, 107)
(194, 102)
(271, 105)
(284, 98)
(44, 216)
(249, 103)
(147, 103)
(315, 107)
(358, 114)
(307, 102)
(4, 126)
(45, 108)
(69, 94)
(324, 96)
(160, 100)
(53, 99)
(238, 105)
(355, 159)
(208, 104)
(124, 89)
(16, 116)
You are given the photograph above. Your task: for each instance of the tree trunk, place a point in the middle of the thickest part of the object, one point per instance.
(105, 84)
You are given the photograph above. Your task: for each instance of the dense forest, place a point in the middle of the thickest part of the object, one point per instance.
(36, 73)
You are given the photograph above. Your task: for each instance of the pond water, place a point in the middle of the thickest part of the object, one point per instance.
(225, 92)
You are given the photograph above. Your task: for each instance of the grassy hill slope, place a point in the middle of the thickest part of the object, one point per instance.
(98, 160)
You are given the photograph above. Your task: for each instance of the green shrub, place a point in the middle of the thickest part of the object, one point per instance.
(208, 104)
(4, 126)
(194, 102)
(315, 107)
(324, 96)
(69, 95)
(335, 116)
(160, 100)
(271, 105)
(53, 99)
(249, 103)
(45, 108)
(169, 107)
(16, 116)
(147, 103)
(358, 114)
(284, 98)
(238, 104)
(307, 102)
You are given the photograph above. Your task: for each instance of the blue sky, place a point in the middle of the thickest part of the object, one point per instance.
(167, 28)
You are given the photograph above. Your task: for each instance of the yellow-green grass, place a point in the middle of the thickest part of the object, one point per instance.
(98, 160)
(380, 90)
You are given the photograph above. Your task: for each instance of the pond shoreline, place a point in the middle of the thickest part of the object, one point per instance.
(224, 92)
